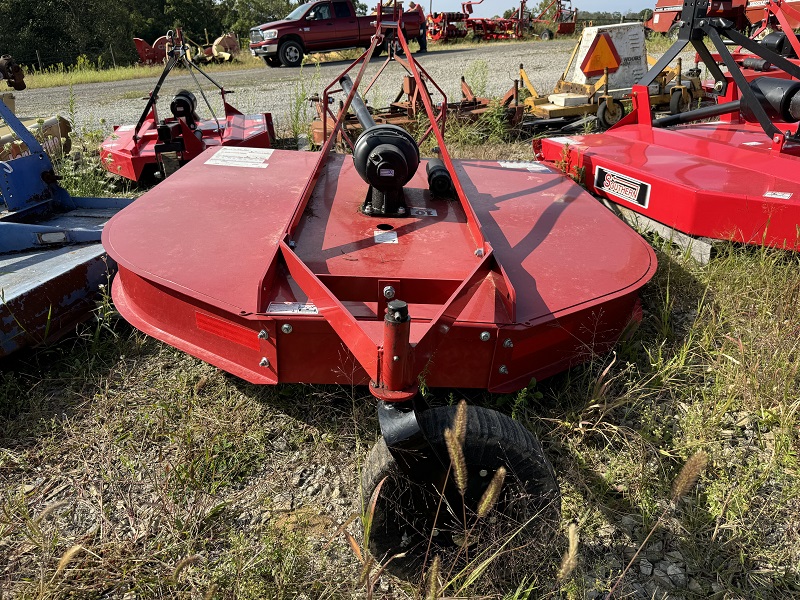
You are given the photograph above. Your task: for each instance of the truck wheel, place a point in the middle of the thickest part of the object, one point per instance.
(291, 53)
(610, 113)
(405, 511)
(546, 35)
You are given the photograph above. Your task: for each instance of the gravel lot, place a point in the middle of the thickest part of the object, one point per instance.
(277, 90)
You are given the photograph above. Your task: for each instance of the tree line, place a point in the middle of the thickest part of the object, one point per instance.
(60, 31)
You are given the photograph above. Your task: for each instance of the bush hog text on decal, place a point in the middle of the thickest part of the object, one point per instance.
(622, 186)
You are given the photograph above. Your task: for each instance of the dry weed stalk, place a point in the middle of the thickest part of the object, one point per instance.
(682, 485)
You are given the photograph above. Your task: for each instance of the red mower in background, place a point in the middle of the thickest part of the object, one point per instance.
(494, 28)
(387, 269)
(736, 178)
(557, 18)
(156, 146)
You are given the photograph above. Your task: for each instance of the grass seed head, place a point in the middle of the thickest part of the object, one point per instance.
(456, 452)
(689, 475)
(189, 560)
(460, 423)
(432, 591)
(492, 492)
(570, 559)
(67, 558)
(51, 508)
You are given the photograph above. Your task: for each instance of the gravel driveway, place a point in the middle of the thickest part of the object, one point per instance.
(280, 90)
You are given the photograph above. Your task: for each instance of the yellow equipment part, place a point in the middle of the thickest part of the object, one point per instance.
(8, 99)
(52, 133)
(541, 107)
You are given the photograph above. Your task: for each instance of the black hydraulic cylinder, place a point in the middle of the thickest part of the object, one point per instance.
(700, 113)
(358, 106)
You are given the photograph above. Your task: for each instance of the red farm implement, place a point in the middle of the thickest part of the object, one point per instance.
(161, 146)
(385, 269)
(753, 16)
(734, 178)
(408, 107)
(666, 17)
(493, 28)
(446, 26)
(223, 49)
(557, 18)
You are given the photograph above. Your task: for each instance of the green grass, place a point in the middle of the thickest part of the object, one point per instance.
(88, 72)
(128, 467)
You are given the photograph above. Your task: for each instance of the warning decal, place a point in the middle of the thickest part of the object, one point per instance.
(601, 54)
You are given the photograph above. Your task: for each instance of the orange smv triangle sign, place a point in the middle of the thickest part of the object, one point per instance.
(601, 54)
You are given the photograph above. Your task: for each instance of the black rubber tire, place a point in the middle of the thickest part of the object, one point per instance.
(672, 32)
(610, 115)
(403, 518)
(291, 53)
(677, 104)
(272, 61)
(546, 35)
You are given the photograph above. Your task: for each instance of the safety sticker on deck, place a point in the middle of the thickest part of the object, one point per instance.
(752, 144)
(417, 211)
(530, 166)
(292, 308)
(780, 195)
(254, 158)
(385, 237)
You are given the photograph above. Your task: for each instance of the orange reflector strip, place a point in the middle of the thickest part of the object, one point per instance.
(602, 53)
(227, 330)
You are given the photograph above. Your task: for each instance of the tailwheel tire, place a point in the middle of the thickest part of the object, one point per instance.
(677, 103)
(409, 515)
(610, 113)
(291, 53)
(546, 35)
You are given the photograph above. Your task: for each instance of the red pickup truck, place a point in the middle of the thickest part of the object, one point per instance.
(321, 26)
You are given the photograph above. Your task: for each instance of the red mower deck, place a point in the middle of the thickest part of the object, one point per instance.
(736, 178)
(205, 265)
(123, 155)
(721, 180)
